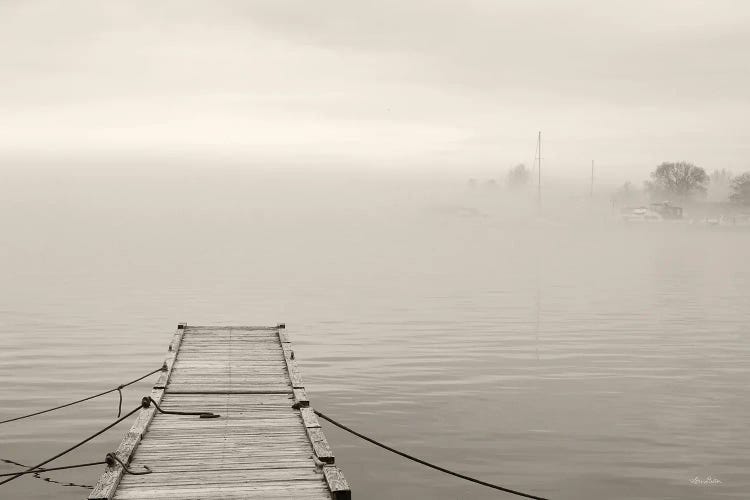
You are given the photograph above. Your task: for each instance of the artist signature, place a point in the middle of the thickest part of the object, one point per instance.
(705, 482)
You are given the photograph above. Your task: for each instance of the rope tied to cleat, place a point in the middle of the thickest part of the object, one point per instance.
(111, 459)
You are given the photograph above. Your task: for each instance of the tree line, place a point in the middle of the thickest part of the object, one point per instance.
(685, 181)
(670, 181)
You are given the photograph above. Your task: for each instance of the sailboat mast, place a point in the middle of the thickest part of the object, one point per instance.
(539, 170)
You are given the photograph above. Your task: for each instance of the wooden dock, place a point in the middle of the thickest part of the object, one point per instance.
(266, 443)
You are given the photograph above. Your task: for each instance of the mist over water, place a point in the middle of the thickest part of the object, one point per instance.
(560, 353)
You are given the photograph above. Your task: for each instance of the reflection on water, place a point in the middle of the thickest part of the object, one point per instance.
(578, 360)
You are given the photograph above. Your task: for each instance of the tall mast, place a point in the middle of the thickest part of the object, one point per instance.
(539, 170)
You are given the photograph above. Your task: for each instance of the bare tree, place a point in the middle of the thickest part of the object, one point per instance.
(681, 180)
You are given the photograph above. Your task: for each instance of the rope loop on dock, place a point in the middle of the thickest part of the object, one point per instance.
(111, 459)
(118, 389)
(146, 402)
(424, 462)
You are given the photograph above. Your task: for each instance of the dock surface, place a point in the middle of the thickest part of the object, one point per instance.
(266, 443)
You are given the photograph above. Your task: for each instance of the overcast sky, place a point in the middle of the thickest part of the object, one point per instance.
(386, 82)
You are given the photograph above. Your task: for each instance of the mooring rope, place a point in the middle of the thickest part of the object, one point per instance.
(31, 469)
(37, 474)
(118, 389)
(49, 469)
(201, 414)
(111, 459)
(424, 462)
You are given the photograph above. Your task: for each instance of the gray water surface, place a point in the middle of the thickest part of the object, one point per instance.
(569, 357)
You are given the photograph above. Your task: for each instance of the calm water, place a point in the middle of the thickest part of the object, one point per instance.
(577, 360)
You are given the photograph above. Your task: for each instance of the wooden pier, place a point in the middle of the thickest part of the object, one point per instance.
(266, 443)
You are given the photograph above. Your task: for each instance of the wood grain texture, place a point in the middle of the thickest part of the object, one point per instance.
(300, 397)
(309, 418)
(320, 444)
(265, 444)
(337, 484)
(174, 346)
(291, 365)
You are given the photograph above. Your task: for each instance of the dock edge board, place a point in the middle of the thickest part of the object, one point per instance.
(107, 484)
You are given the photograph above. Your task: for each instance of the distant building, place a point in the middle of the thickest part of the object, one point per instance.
(667, 210)
(654, 212)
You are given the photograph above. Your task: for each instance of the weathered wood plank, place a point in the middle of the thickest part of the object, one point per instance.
(320, 444)
(291, 365)
(309, 418)
(197, 390)
(232, 327)
(300, 397)
(174, 346)
(317, 491)
(337, 484)
(225, 476)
